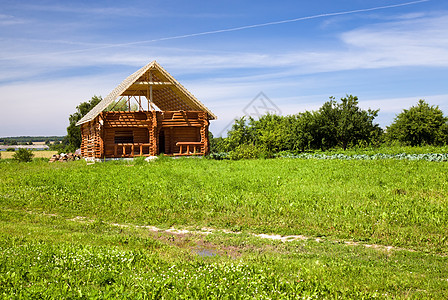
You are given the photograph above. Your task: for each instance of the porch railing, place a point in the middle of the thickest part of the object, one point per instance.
(191, 148)
(131, 149)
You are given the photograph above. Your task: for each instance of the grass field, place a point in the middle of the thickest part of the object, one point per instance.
(37, 154)
(372, 229)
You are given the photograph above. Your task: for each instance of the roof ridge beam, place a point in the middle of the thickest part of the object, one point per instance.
(153, 83)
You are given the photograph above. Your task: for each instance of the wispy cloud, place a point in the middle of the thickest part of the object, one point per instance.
(6, 20)
(80, 8)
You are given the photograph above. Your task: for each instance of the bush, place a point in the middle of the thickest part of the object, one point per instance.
(248, 152)
(23, 155)
(218, 156)
(10, 149)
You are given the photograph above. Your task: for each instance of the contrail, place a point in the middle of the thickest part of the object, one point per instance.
(277, 22)
(242, 27)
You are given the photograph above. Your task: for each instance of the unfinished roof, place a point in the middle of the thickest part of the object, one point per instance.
(155, 83)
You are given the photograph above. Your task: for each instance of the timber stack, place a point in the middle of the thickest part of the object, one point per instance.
(64, 157)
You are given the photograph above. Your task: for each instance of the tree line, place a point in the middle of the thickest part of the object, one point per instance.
(29, 140)
(337, 124)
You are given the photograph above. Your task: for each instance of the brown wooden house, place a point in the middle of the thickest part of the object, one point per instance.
(169, 119)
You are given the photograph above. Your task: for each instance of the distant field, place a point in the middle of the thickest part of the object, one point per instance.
(368, 229)
(37, 154)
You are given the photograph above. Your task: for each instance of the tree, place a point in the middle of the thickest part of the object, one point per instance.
(241, 133)
(73, 138)
(354, 124)
(326, 121)
(419, 125)
(121, 105)
(217, 144)
(343, 124)
(302, 131)
(269, 132)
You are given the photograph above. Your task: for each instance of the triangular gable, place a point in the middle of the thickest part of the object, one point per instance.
(167, 93)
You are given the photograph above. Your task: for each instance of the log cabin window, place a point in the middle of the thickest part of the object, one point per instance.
(124, 137)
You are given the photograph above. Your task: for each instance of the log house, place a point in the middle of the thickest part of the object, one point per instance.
(173, 123)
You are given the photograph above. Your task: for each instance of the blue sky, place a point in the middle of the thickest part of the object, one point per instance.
(56, 54)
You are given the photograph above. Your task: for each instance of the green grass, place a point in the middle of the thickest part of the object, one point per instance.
(44, 250)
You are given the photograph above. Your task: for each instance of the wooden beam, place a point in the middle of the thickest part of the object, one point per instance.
(152, 83)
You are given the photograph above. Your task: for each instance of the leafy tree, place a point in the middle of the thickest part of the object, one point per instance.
(269, 132)
(354, 124)
(326, 121)
(419, 125)
(343, 124)
(121, 105)
(217, 144)
(303, 131)
(73, 138)
(240, 134)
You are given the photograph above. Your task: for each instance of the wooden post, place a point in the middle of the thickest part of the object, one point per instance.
(150, 91)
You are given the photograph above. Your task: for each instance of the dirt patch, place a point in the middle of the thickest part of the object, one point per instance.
(195, 239)
(195, 243)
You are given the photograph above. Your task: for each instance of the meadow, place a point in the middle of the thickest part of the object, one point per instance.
(37, 154)
(368, 229)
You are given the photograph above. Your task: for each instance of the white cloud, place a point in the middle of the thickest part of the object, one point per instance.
(396, 105)
(43, 107)
(415, 42)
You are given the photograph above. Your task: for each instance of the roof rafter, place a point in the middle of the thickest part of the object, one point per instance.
(168, 93)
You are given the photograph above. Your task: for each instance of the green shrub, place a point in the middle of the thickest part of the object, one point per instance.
(218, 155)
(10, 149)
(23, 155)
(248, 152)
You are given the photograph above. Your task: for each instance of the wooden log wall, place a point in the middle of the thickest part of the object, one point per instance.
(154, 131)
(203, 116)
(91, 139)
